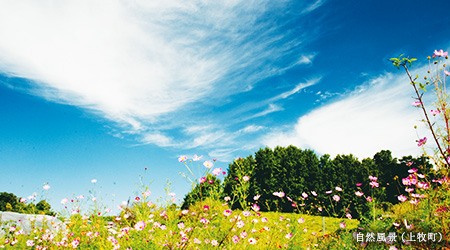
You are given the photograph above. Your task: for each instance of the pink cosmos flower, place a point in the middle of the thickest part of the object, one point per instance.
(75, 243)
(373, 178)
(342, 225)
(358, 184)
(435, 112)
(409, 190)
(147, 193)
(440, 53)
(402, 198)
(338, 189)
(217, 171)
(246, 213)
(412, 170)
(235, 239)
(227, 212)
(423, 185)
(414, 202)
(446, 72)
(182, 158)
(374, 184)
(279, 194)
(46, 187)
(184, 212)
(288, 236)
(418, 195)
(416, 103)
(202, 180)
(172, 194)
(369, 199)
(208, 164)
(245, 178)
(301, 220)
(23, 200)
(256, 197)
(305, 195)
(205, 208)
(139, 226)
(336, 197)
(252, 241)
(64, 201)
(329, 192)
(421, 142)
(240, 224)
(255, 208)
(197, 158)
(349, 216)
(30, 243)
(214, 242)
(227, 198)
(409, 163)
(314, 193)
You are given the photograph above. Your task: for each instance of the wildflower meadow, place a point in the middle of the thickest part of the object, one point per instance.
(282, 198)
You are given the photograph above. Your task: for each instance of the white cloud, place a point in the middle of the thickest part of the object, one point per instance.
(142, 63)
(377, 116)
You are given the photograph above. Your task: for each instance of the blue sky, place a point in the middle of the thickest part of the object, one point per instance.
(104, 89)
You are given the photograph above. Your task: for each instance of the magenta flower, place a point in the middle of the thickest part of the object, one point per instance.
(435, 112)
(205, 208)
(358, 184)
(373, 178)
(440, 53)
(421, 142)
(416, 103)
(342, 225)
(202, 180)
(349, 216)
(182, 158)
(369, 199)
(409, 163)
(402, 198)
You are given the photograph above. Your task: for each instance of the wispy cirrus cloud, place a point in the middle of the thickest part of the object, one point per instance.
(378, 115)
(142, 63)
